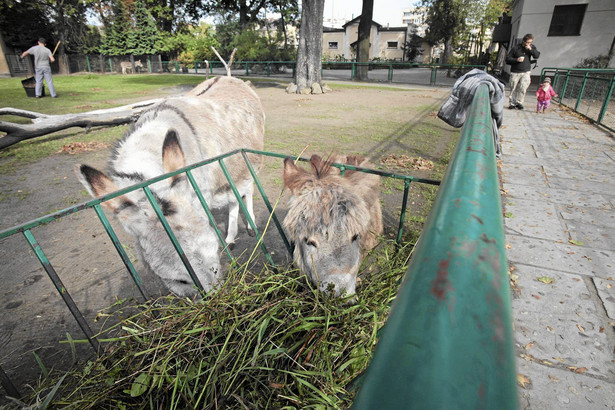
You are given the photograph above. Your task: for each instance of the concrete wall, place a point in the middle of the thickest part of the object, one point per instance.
(392, 53)
(597, 32)
(337, 36)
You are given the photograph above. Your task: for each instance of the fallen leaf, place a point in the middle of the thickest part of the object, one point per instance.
(508, 215)
(536, 297)
(559, 359)
(554, 379)
(523, 380)
(545, 279)
(575, 242)
(550, 328)
(529, 345)
(580, 328)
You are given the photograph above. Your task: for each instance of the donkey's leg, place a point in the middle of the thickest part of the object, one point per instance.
(233, 215)
(249, 201)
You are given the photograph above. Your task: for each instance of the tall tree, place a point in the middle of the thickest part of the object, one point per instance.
(23, 22)
(445, 18)
(413, 46)
(145, 37)
(309, 54)
(247, 10)
(363, 41)
(117, 40)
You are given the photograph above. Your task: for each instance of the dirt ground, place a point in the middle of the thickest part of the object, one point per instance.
(397, 128)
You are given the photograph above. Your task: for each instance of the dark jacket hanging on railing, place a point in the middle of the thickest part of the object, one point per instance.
(455, 109)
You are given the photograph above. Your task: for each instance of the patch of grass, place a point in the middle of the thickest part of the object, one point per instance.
(80, 93)
(274, 342)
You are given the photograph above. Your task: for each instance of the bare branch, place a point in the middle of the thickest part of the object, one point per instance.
(46, 124)
(230, 63)
(21, 113)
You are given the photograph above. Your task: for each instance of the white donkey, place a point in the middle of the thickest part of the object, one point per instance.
(219, 115)
(332, 219)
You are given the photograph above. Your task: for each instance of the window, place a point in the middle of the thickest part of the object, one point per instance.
(391, 44)
(567, 20)
(333, 44)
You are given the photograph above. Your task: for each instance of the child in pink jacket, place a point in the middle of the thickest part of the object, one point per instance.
(544, 94)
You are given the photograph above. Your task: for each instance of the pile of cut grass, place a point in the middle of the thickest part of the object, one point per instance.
(272, 341)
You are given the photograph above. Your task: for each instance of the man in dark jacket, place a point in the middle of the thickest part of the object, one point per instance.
(519, 58)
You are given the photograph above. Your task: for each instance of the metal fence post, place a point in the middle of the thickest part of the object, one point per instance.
(581, 91)
(607, 99)
(391, 73)
(87, 60)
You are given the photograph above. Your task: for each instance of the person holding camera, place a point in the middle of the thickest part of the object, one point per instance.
(520, 60)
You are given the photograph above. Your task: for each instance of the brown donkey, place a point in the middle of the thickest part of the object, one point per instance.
(333, 220)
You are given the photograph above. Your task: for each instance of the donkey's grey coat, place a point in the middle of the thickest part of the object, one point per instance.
(217, 116)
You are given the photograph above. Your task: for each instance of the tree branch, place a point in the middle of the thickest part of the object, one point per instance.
(43, 124)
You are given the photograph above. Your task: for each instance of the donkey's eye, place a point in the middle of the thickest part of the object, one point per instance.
(355, 237)
(310, 242)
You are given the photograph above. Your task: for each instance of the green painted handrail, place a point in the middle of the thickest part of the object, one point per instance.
(448, 342)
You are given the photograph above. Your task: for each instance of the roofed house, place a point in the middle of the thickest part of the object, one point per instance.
(385, 42)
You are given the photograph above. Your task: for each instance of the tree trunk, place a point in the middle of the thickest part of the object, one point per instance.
(365, 28)
(309, 55)
(43, 124)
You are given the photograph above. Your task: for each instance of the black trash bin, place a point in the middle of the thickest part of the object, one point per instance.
(29, 84)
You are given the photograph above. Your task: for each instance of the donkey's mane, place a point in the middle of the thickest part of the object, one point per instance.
(329, 206)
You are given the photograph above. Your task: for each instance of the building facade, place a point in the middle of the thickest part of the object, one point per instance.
(566, 32)
(385, 42)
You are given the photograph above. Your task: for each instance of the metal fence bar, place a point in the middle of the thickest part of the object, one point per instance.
(267, 203)
(448, 342)
(573, 84)
(176, 245)
(199, 195)
(57, 282)
(120, 250)
(402, 217)
(242, 205)
(8, 385)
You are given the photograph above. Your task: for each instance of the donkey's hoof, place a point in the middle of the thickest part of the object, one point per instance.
(230, 245)
(251, 231)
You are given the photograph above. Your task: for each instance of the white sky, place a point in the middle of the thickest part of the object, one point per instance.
(385, 11)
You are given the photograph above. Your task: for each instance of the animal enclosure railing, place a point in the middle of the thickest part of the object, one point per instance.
(95, 204)
(448, 341)
(590, 92)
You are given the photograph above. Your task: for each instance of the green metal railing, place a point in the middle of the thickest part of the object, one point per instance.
(590, 92)
(448, 341)
(26, 229)
(396, 72)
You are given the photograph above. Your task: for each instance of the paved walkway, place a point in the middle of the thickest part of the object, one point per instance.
(558, 174)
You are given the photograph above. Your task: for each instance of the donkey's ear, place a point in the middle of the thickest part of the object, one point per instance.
(316, 164)
(294, 177)
(98, 184)
(172, 155)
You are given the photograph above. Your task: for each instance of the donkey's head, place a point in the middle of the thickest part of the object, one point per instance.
(183, 213)
(326, 220)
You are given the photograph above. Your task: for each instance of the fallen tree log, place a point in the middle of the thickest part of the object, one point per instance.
(43, 124)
